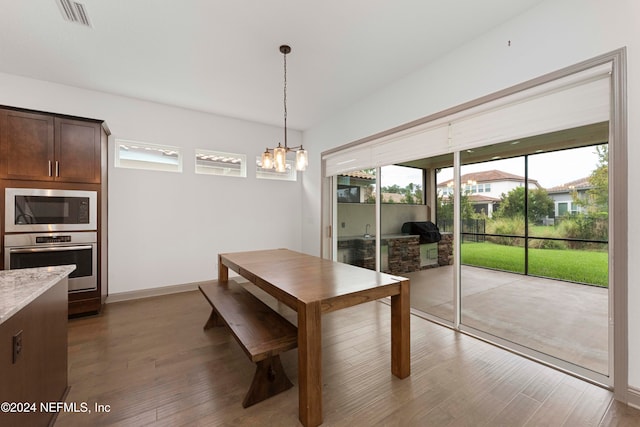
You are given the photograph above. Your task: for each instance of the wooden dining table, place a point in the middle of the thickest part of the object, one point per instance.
(313, 286)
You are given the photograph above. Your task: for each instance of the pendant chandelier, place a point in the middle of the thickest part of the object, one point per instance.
(276, 158)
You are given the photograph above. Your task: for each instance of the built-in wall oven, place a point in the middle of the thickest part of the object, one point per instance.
(48, 249)
(46, 227)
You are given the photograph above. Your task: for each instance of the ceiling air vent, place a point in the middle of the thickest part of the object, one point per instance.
(74, 12)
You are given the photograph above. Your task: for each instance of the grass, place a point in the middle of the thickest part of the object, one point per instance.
(580, 266)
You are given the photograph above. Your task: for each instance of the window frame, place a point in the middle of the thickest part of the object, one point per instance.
(125, 163)
(211, 170)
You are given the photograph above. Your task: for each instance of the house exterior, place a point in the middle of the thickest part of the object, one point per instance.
(564, 196)
(485, 188)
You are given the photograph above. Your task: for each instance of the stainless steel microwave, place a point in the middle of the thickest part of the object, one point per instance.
(35, 210)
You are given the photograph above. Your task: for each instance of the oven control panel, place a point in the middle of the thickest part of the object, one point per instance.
(53, 239)
(39, 240)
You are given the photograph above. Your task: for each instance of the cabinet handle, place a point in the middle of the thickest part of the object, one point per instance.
(49, 168)
(57, 168)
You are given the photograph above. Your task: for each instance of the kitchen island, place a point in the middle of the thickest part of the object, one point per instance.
(33, 343)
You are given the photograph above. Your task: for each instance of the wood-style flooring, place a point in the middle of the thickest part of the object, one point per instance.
(151, 362)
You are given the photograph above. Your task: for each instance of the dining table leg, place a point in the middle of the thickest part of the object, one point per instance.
(223, 271)
(400, 332)
(310, 364)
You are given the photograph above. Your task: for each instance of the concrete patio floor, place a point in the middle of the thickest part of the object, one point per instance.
(565, 320)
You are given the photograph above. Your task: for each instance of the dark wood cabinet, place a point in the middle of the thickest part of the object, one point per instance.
(39, 374)
(26, 145)
(77, 151)
(53, 151)
(42, 147)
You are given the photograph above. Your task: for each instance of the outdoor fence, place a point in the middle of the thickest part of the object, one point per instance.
(473, 230)
(588, 234)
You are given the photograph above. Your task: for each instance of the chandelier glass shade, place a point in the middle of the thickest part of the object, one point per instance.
(276, 158)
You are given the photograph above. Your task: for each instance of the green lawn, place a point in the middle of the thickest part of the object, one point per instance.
(574, 265)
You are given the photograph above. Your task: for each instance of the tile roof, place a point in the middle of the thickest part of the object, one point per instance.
(489, 176)
(476, 198)
(359, 174)
(578, 184)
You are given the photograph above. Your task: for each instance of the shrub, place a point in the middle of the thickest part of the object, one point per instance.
(548, 232)
(584, 227)
(593, 227)
(509, 226)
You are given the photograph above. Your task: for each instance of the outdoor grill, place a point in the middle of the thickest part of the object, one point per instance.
(427, 230)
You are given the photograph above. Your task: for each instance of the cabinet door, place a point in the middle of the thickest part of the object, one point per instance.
(77, 153)
(26, 145)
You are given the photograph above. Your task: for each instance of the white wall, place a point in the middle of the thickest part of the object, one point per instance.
(551, 36)
(355, 217)
(167, 228)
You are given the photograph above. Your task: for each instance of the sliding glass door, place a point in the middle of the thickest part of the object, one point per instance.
(506, 235)
(356, 218)
(534, 252)
(413, 242)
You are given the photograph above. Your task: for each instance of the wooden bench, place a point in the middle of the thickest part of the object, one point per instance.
(261, 332)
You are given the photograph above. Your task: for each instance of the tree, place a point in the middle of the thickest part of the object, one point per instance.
(370, 189)
(594, 224)
(369, 193)
(599, 194)
(418, 195)
(412, 193)
(540, 205)
(395, 188)
(445, 206)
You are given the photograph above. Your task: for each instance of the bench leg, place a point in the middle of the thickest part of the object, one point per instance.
(214, 320)
(269, 380)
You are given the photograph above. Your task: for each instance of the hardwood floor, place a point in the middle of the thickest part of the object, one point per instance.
(153, 364)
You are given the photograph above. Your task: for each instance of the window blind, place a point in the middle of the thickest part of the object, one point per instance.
(575, 100)
(348, 160)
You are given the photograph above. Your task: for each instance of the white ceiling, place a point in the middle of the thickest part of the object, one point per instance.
(221, 56)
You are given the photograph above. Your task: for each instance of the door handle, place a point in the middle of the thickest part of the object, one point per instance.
(49, 249)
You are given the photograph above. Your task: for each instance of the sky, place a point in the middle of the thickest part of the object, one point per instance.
(549, 169)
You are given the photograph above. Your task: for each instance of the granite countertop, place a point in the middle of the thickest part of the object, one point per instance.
(20, 287)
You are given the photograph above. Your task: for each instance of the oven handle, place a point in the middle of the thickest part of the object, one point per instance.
(49, 249)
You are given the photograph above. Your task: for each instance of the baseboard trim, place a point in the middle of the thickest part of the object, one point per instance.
(164, 290)
(634, 397)
(152, 292)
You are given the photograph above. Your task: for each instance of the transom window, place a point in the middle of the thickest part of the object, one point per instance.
(143, 155)
(220, 163)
